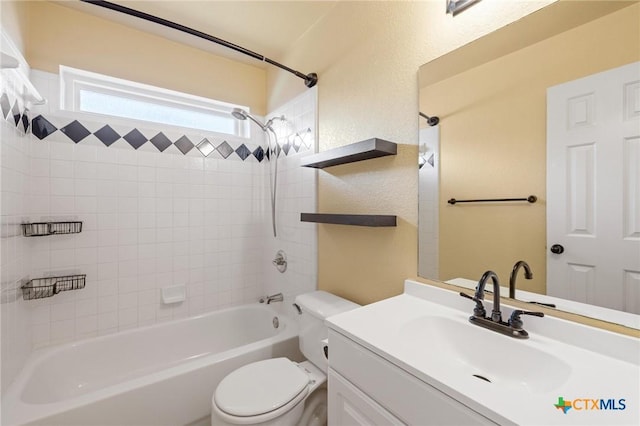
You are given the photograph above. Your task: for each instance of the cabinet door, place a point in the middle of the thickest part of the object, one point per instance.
(407, 397)
(348, 406)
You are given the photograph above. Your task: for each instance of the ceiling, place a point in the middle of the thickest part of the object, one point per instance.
(266, 27)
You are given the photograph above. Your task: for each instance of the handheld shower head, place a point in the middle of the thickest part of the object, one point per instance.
(239, 113)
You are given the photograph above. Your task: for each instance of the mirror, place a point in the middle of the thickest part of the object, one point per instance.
(491, 142)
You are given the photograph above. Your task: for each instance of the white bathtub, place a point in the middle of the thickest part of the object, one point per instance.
(163, 374)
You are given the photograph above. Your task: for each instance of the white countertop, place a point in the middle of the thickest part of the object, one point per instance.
(579, 362)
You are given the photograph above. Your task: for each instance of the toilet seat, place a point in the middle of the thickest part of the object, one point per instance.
(264, 389)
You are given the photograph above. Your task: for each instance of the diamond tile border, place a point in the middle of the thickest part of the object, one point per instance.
(18, 116)
(15, 113)
(160, 141)
(205, 147)
(184, 145)
(5, 105)
(135, 138)
(243, 152)
(75, 131)
(106, 135)
(225, 149)
(259, 154)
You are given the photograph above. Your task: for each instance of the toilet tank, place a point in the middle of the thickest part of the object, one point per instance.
(316, 307)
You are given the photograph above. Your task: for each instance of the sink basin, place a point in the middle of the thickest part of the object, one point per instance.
(482, 354)
(426, 332)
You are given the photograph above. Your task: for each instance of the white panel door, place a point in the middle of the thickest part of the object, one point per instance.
(593, 189)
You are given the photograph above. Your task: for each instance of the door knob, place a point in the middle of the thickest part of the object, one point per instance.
(557, 249)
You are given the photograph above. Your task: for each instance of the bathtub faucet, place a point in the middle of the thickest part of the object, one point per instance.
(273, 298)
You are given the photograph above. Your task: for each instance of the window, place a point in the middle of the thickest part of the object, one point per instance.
(88, 92)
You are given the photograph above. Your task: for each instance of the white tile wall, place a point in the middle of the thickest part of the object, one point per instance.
(15, 337)
(150, 220)
(296, 194)
(158, 219)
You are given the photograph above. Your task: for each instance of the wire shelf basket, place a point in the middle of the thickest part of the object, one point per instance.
(41, 229)
(39, 288)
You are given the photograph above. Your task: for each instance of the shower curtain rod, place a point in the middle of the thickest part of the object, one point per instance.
(431, 121)
(310, 79)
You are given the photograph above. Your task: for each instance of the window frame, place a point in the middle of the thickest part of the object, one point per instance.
(74, 81)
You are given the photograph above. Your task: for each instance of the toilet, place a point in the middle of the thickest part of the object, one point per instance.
(279, 391)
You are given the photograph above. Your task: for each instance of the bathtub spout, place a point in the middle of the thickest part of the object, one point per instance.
(274, 298)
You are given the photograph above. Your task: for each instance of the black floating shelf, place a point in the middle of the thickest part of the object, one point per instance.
(375, 220)
(364, 150)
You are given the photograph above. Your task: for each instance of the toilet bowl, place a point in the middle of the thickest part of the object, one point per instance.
(266, 392)
(279, 391)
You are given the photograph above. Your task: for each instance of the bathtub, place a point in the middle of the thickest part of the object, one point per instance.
(163, 374)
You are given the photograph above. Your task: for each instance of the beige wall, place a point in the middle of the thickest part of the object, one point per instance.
(14, 22)
(367, 56)
(59, 35)
(493, 144)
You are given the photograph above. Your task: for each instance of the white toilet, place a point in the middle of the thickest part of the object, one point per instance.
(276, 391)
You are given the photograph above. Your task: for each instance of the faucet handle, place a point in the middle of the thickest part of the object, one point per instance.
(479, 310)
(468, 296)
(280, 261)
(516, 322)
(548, 305)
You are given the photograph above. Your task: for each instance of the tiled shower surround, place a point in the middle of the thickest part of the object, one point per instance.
(153, 216)
(14, 162)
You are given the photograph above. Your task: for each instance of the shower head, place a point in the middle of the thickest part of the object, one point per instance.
(239, 113)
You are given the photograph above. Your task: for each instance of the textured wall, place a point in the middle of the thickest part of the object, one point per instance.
(367, 56)
(57, 35)
(14, 18)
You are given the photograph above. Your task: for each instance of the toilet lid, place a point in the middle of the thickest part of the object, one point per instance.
(260, 387)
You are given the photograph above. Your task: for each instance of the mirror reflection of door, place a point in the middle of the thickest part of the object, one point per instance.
(593, 225)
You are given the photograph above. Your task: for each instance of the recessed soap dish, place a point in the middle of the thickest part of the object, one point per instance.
(174, 294)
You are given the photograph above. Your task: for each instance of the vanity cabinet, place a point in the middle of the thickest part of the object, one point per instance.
(365, 388)
(350, 406)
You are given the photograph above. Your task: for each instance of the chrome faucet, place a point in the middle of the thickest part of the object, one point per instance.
(512, 279)
(278, 297)
(511, 328)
